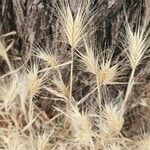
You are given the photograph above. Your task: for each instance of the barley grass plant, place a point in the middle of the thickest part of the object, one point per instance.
(76, 97)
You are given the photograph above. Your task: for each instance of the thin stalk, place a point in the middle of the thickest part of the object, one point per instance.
(129, 88)
(71, 72)
(67, 105)
(86, 96)
(9, 64)
(99, 93)
(30, 109)
(30, 115)
(60, 75)
(49, 68)
(23, 108)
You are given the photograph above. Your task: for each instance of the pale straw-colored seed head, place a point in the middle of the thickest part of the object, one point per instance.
(101, 66)
(47, 56)
(9, 90)
(108, 73)
(61, 87)
(81, 128)
(42, 140)
(23, 93)
(35, 82)
(136, 44)
(89, 60)
(73, 27)
(112, 120)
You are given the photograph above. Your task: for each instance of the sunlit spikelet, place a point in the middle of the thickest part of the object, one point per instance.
(105, 72)
(108, 73)
(24, 92)
(73, 27)
(47, 56)
(61, 87)
(10, 89)
(89, 60)
(81, 128)
(35, 82)
(42, 140)
(136, 44)
(112, 120)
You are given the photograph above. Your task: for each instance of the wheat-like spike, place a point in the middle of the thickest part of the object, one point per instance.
(108, 73)
(81, 127)
(47, 56)
(105, 72)
(89, 60)
(136, 44)
(42, 140)
(112, 120)
(9, 90)
(73, 27)
(23, 93)
(35, 82)
(62, 88)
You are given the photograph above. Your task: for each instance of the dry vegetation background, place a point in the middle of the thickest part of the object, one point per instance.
(87, 89)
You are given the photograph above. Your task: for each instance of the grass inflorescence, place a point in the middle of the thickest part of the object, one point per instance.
(87, 95)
